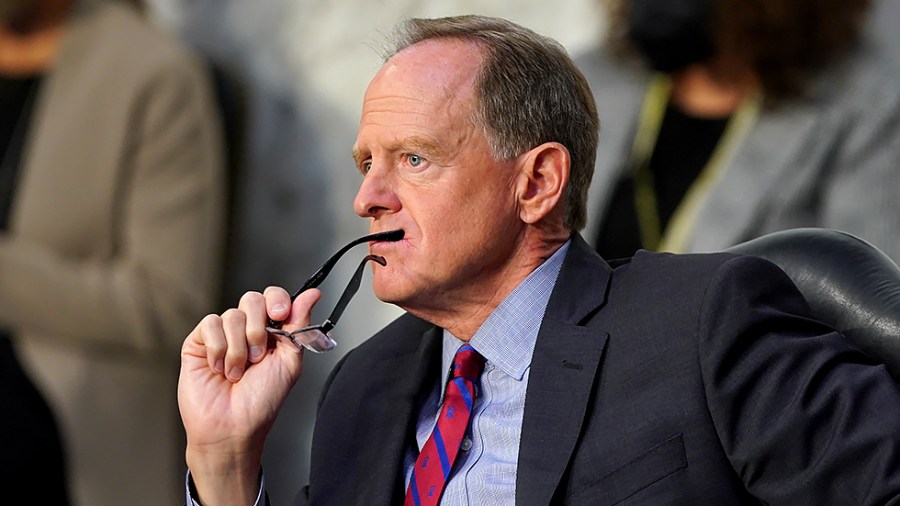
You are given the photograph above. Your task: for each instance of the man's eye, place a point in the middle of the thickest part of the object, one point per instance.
(414, 160)
(366, 167)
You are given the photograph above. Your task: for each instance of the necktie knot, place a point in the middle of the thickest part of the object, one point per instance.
(467, 363)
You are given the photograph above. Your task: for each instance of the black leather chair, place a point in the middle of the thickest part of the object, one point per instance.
(849, 284)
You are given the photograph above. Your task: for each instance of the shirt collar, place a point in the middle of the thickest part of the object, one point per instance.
(507, 337)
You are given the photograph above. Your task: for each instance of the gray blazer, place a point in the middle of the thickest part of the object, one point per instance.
(113, 250)
(829, 160)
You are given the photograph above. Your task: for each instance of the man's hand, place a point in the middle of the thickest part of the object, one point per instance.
(234, 379)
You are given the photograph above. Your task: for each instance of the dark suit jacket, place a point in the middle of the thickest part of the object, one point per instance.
(692, 379)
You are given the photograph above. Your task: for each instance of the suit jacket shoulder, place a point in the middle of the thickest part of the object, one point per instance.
(713, 386)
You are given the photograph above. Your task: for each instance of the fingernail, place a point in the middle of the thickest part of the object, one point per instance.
(219, 366)
(279, 308)
(234, 373)
(256, 352)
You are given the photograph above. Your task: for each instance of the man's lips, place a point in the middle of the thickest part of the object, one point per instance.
(386, 238)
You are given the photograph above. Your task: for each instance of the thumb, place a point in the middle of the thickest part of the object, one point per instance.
(291, 354)
(302, 307)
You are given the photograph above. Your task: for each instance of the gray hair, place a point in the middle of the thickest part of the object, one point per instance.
(529, 91)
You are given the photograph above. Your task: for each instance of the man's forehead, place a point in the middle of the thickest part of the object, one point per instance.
(448, 64)
(425, 87)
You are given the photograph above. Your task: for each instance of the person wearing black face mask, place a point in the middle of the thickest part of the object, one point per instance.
(728, 119)
(671, 34)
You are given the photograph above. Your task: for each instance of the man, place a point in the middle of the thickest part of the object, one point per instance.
(667, 380)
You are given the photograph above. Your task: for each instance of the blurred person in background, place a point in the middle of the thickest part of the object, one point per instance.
(111, 206)
(728, 119)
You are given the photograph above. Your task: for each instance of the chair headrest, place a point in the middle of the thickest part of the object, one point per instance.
(848, 283)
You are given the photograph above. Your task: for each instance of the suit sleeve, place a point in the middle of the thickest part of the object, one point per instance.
(804, 417)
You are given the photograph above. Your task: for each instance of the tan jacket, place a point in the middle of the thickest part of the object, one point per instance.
(114, 249)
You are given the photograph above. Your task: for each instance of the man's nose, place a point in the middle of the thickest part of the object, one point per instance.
(376, 195)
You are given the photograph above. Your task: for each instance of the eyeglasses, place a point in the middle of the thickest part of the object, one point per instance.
(317, 338)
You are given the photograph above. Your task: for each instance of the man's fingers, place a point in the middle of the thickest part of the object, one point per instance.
(239, 335)
(278, 303)
(302, 306)
(296, 314)
(234, 323)
(253, 304)
(210, 336)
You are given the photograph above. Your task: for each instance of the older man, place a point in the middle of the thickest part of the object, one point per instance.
(528, 370)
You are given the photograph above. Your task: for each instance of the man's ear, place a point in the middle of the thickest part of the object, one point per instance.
(542, 180)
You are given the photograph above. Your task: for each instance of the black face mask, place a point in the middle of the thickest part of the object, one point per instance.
(671, 34)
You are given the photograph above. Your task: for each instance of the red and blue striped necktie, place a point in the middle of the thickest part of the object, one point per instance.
(432, 469)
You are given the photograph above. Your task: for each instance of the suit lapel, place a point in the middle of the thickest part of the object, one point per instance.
(563, 371)
(403, 381)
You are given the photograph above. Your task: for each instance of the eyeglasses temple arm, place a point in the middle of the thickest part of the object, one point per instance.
(352, 288)
(316, 279)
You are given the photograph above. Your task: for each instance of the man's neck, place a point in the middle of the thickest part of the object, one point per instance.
(463, 317)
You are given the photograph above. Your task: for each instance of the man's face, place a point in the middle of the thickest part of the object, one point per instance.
(428, 169)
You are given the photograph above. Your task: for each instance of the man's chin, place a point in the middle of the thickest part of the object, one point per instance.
(388, 295)
(396, 295)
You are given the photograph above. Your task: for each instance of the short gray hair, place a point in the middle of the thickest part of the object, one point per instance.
(529, 92)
